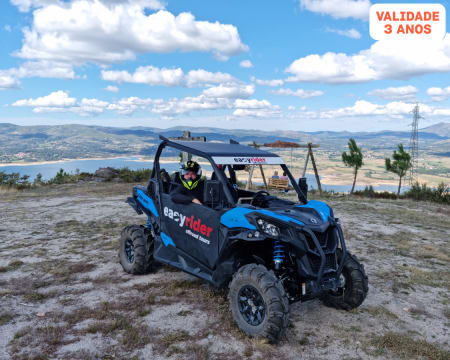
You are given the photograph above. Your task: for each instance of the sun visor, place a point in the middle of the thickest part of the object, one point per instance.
(248, 160)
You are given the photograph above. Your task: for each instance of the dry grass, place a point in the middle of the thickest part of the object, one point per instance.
(12, 265)
(380, 311)
(406, 347)
(45, 340)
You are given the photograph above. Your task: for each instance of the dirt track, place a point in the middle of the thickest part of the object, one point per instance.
(64, 295)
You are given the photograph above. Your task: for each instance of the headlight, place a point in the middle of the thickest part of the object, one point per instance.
(268, 228)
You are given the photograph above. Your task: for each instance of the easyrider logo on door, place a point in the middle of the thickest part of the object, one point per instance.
(194, 227)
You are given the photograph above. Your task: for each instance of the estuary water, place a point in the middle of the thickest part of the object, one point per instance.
(49, 170)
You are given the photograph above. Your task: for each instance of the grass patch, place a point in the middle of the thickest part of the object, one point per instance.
(36, 296)
(13, 265)
(380, 311)
(432, 278)
(5, 318)
(169, 339)
(406, 347)
(184, 313)
(45, 339)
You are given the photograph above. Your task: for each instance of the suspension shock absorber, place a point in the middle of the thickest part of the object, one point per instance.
(149, 224)
(278, 253)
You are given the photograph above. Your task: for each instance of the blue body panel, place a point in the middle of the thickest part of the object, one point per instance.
(167, 240)
(235, 218)
(322, 208)
(147, 202)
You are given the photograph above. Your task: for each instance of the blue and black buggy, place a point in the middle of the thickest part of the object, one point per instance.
(267, 250)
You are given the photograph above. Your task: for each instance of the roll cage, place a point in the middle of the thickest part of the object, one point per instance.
(211, 155)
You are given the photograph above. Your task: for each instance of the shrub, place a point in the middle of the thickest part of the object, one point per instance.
(14, 180)
(138, 175)
(441, 194)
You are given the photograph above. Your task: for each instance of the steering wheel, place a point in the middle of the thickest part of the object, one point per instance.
(258, 194)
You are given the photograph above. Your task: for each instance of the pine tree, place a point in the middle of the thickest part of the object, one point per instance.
(354, 159)
(400, 165)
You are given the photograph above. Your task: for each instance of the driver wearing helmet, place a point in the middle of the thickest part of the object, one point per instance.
(191, 184)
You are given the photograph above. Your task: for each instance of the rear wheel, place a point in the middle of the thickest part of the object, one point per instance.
(258, 302)
(354, 289)
(136, 250)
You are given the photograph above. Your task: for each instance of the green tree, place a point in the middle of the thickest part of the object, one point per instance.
(400, 164)
(354, 159)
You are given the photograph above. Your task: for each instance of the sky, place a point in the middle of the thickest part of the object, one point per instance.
(306, 65)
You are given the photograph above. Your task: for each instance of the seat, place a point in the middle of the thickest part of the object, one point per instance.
(281, 184)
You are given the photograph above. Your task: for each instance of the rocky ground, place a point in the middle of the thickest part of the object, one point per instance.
(63, 294)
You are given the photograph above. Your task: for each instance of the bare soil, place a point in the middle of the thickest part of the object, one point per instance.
(64, 295)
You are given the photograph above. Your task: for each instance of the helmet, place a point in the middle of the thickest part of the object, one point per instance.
(191, 165)
(194, 167)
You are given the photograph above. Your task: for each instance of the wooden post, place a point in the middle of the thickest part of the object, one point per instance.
(262, 174)
(315, 168)
(250, 174)
(306, 164)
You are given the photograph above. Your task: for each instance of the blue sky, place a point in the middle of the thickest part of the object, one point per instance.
(286, 65)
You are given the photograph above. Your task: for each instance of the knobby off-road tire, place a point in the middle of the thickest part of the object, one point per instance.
(355, 289)
(255, 280)
(136, 250)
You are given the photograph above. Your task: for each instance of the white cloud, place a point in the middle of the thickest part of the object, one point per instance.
(383, 60)
(7, 28)
(44, 69)
(10, 78)
(201, 77)
(274, 82)
(339, 9)
(252, 104)
(439, 94)
(350, 33)
(230, 91)
(367, 110)
(303, 94)
(246, 64)
(111, 88)
(55, 99)
(149, 75)
(186, 105)
(396, 93)
(27, 5)
(255, 108)
(7, 81)
(291, 108)
(256, 113)
(65, 32)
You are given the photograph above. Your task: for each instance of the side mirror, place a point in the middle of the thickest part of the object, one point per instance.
(213, 193)
(303, 186)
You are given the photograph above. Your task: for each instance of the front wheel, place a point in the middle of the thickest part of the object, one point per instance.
(354, 289)
(136, 250)
(258, 302)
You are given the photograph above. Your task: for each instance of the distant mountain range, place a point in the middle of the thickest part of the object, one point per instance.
(45, 142)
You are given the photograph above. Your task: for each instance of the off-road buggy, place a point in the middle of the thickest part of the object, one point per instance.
(269, 251)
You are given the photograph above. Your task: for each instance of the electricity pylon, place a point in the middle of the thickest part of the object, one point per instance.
(414, 146)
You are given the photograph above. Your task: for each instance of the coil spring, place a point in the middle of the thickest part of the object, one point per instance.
(278, 253)
(149, 224)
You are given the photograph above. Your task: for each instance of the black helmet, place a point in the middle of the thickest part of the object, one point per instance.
(191, 165)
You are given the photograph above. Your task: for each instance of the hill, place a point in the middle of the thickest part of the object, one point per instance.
(46, 143)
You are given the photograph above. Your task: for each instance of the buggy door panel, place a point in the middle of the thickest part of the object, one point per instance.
(193, 228)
